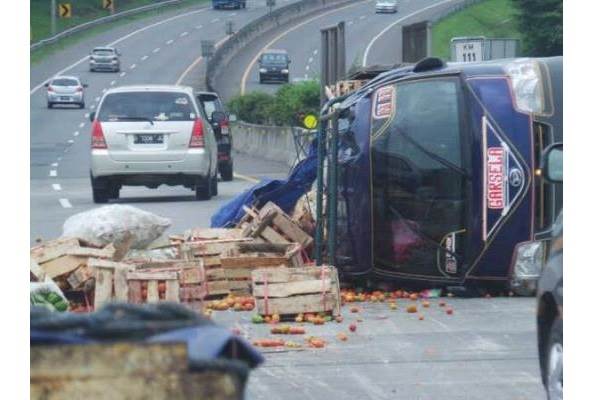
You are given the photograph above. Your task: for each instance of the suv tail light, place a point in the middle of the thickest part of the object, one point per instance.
(98, 141)
(224, 125)
(50, 89)
(79, 89)
(197, 139)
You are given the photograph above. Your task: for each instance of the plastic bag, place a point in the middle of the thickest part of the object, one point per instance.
(110, 224)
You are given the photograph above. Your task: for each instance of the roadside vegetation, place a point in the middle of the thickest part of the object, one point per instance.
(541, 25)
(282, 108)
(490, 18)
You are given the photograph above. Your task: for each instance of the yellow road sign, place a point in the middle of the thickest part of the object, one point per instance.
(64, 10)
(310, 121)
(108, 4)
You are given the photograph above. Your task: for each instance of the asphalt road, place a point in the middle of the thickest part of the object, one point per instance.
(370, 39)
(156, 50)
(486, 350)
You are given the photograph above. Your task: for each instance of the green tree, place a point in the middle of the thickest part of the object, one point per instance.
(541, 25)
(253, 107)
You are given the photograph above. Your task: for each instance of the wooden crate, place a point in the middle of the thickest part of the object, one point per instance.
(134, 371)
(290, 291)
(111, 281)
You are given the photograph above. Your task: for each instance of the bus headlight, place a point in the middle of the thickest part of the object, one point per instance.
(528, 261)
(526, 83)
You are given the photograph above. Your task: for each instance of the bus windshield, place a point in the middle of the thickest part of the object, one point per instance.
(419, 177)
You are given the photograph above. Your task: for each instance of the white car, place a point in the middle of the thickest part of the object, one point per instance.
(65, 90)
(386, 6)
(149, 136)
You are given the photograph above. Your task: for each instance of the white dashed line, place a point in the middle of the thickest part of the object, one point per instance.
(92, 106)
(315, 52)
(54, 164)
(169, 41)
(184, 34)
(112, 83)
(310, 60)
(156, 50)
(305, 76)
(132, 66)
(70, 141)
(97, 99)
(104, 90)
(362, 17)
(122, 74)
(233, 14)
(215, 20)
(65, 203)
(56, 187)
(76, 133)
(52, 172)
(86, 115)
(81, 125)
(198, 26)
(350, 22)
(144, 58)
(308, 67)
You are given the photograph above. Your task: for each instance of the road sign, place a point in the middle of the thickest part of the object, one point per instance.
(64, 10)
(208, 48)
(310, 121)
(469, 50)
(108, 4)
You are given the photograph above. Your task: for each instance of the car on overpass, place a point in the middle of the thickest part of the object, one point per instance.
(65, 90)
(149, 136)
(105, 59)
(550, 291)
(274, 65)
(213, 110)
(236, 4)
(386, 6)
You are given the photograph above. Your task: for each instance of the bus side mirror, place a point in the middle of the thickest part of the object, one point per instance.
(552, 163)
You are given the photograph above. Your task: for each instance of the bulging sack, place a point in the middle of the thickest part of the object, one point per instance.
(111, 224)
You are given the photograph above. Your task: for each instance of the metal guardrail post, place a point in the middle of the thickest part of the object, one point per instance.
(332, 190)
(53, 17)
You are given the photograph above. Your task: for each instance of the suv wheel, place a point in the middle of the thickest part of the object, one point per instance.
(50, 105)
(214, 185)
(82, 105)
(203, 189)
(226, 171)
(100, 190)
(114, 190)
(553, 369)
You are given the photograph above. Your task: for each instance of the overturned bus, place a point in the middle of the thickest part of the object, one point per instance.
(437, 180)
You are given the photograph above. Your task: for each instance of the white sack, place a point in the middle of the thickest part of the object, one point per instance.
(109, 224)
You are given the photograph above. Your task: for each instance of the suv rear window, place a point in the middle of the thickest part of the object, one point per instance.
(103, 52)
(156, 106)
(65, 82)
(274, 58)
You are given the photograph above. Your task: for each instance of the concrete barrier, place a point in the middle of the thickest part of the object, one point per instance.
(260, 26)
(274, 143)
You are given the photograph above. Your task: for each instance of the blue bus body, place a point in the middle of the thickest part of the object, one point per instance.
(237, 4)
(438, 180)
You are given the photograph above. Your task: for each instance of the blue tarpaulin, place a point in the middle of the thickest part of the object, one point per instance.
(284, 193)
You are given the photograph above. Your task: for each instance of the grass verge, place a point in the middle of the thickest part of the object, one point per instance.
(490, 18)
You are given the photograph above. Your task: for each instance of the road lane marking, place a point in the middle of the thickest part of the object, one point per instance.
(286, 32)
(233, 15)
(56, 187)
(390, 26)
(169, 41)
(54, 164)
(350, 22)
(70, 141)
(198, 26)
(65, 203)
(184, 34)
(92, 106)
(196, 62)
(104, 90)
(156, 50)
(315, 51)
(112, 83)
(81, 125)
(362, 17)
(308, 67)
(246, 178)
(97, 99)
(119, 40)
(310, 59)
(122, 74)
(76, 133)
(144, 58)
(86, 115)
(215, 20)
(52, 172)
(132, 66)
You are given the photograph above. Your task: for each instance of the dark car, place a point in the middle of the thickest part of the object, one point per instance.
(220, 4)
(273, 65)
(550, 290)
(213, 110)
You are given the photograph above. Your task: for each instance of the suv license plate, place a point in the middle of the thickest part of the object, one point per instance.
(65, 98)
(148, 139)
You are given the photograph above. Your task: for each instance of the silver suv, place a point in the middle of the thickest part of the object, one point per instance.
(152, 135)
(105, 59)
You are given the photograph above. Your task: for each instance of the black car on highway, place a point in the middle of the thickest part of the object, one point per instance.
(550, 290)
(274, 65)
(212, 107)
